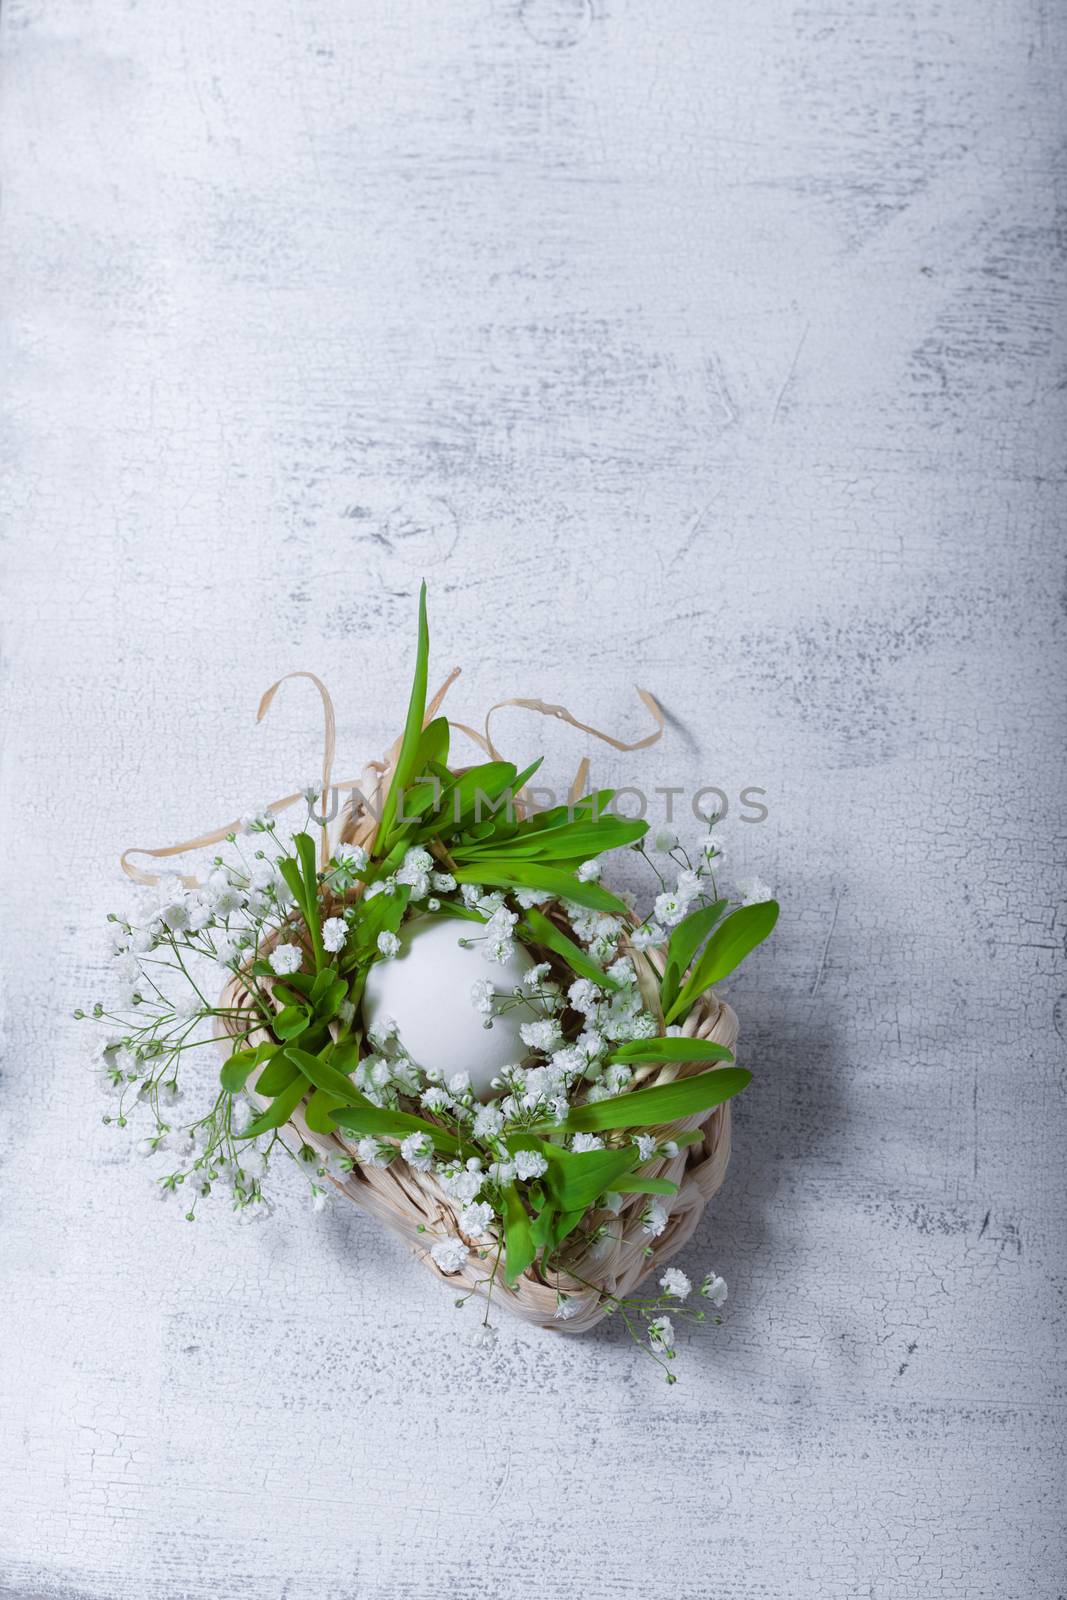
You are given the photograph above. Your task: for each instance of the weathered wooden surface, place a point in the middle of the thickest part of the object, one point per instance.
(712, 346)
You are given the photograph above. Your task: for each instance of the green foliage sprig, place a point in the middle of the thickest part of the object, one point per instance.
(570, 1127)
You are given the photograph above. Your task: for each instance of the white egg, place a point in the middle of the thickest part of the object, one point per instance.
(426, 989)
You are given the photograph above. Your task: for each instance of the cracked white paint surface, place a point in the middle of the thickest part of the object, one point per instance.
(711, 346)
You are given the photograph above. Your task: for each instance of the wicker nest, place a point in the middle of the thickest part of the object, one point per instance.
(413, 1205)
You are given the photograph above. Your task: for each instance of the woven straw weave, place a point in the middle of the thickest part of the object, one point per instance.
(413, 1205)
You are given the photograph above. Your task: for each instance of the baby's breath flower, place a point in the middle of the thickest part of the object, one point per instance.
(714, 1289)
(346, 864)
(463, 1185)
(372, 1153)
(286, 958)
(532, 897)
(334, 933)
(482, 993)
(655, 1219)
(669, 909)
(661, 1334)
(583, 995)
(588, 872)
(499, 946)
(543, 1035)
(675, 1283)
(530, 1164)
(488, 1121)
(475, 1219)
(449, 1254)
(583, 1142)
(382, 1029)
(566, 1308)
(417, 1151)
(388, 944)
(258, 821)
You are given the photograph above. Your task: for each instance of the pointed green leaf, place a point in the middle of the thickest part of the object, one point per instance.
(409, 744)
(691, 932)
(518, 1235)
(673, 1049)
(290, 1022)
(645, 1186)
(305, 849)
(396, 1124)
(317, 1111)
(728, 946)
(324, 1075)
(545, 932)
(276, 1076)
(236, 1069)
(651, 1108)
(574, 1180)
(502, 874)
(280, 1109)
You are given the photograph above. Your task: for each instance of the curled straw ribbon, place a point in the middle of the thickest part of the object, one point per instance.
(382, 768)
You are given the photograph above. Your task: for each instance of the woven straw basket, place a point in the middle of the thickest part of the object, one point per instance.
(413, 1205)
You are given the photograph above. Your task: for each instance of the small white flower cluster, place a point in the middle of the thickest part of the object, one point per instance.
(498, 934)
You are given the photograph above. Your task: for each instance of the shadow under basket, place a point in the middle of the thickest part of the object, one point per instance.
(413, 1205)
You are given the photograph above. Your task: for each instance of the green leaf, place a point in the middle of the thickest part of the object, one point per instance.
(574, 1180)
(332, 1000)
(317, 1111)
(297, 987)
(288, 995)
(306, 899)
(236, 1069)
(321, 983)
(502, 874)
(325, 1076)
(476, 790)
(728, 946)
(670, 984)
(409, 744)
(651, 1108)
(518, 1235)
(522, 778)
(590, 807)
(565, 1224)
(290, 871)
(396, 1124)
(642, 1050)
(344, 1054)
(305, 849)
(646, 1186)
(575, 841)
(279, 1111)
(542, 1229)
(277, 1075)
(290, 1022)
(685, 941)
(433, 746)
(691, 932)
(547, 934)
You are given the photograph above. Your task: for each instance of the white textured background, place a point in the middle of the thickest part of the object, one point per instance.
(711, 345)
